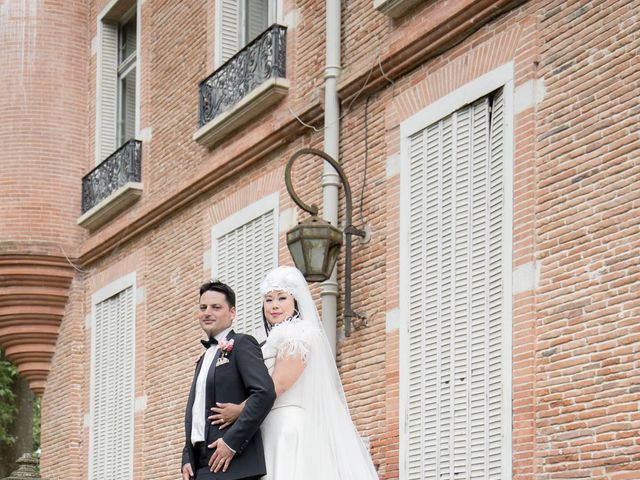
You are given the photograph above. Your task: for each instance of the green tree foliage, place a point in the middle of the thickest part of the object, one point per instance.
(8, 408)
(36, 424)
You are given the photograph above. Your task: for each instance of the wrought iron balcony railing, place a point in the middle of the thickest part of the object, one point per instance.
(263, 58)
(119, 168)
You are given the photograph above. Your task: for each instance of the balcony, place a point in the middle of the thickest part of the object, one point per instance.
(249, 83)
(112, 186)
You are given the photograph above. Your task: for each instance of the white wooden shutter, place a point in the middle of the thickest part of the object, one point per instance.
(243, 257)
(228, 29)
(495, 307)
(128, 102)
(113, 389)
(257, 14)
(107, 92)
(454, 411)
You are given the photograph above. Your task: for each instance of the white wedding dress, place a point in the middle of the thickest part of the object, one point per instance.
(309, 435)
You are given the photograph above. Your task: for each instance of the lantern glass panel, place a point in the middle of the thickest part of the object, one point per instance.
(295, 249)
(317, 249)
(332, 257)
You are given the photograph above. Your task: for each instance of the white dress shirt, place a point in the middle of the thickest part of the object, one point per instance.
(198, 415)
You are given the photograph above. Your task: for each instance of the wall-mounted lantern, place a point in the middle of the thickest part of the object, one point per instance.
(315, 243)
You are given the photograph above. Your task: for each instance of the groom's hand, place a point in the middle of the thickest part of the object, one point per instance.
(187, 472)
(221, 457)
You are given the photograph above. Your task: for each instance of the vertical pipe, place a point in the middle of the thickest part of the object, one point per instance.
(330, 179)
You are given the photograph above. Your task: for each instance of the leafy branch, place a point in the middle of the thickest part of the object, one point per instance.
(8, 408)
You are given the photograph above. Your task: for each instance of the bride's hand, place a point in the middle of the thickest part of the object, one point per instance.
(224, 414)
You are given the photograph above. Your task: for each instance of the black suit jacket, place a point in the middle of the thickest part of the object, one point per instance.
(243, 377)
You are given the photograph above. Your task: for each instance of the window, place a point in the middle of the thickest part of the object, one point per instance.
(117, 85)
(126, 81)
(244, 249)
(238, 22)
(255, 15)
(112, 392)
(453, 370)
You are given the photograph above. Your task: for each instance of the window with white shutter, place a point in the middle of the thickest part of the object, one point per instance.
(244, 249)
(127, 66)
(238, 22)
(117, 84)
(453, 364)
(112, 393)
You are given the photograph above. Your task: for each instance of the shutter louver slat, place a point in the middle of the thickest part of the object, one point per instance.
(454, 410)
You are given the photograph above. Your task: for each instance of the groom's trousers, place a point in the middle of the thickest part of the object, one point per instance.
(203, 454)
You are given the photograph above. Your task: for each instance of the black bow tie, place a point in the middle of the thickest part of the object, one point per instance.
(208, 343)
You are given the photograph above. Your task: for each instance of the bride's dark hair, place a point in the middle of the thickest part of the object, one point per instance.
(267, 325)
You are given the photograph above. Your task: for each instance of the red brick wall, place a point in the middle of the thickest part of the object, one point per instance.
(64, 447)
(176, 63)
(587, 218)
(42, 132)
(575, 218)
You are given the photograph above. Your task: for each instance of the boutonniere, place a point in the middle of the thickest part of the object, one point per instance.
(226, 348)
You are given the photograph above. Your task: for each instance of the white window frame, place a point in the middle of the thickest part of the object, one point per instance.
(115, 287)
(104, 22)
(242, 217)
(501, 77)
(275, 16)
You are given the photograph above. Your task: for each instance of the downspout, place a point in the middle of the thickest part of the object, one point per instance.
(330, 179)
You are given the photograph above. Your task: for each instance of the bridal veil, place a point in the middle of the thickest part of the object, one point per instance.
(331, 446)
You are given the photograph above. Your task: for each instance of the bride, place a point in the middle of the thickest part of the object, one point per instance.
(309, 433)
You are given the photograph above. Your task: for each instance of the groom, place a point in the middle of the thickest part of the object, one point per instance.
(231, 370)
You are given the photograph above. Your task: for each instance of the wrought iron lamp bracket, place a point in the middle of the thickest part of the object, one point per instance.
(349, 230)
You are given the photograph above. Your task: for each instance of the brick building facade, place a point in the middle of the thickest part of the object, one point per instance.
(492, 150)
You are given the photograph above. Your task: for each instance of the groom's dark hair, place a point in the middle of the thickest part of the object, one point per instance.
(216, 286)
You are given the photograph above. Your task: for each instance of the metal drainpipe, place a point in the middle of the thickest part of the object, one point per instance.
(330, 179)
